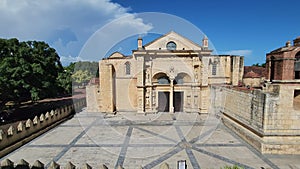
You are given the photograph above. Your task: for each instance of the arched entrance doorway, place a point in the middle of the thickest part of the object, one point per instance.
(171, 92)
(162, 83)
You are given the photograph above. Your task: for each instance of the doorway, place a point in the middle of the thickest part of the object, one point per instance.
(163, 101)
(178, 101)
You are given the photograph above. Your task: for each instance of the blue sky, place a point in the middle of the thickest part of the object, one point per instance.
(250, 28)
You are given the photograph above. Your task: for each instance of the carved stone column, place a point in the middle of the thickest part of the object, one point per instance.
(171, 108)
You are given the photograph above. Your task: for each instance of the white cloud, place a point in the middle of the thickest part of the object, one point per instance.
(111, 34)
(65, 60)
(245, 52)
(65, 25)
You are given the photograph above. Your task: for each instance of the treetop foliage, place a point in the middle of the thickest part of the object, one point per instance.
(30, 70)
(259, 65)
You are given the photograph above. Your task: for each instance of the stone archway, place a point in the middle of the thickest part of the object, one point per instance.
(171, 91)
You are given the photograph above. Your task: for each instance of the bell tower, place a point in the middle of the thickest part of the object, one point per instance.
(205, 42)
(140, 43)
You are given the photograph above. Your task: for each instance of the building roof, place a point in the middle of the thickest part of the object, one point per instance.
(288, 46)
(254, 72)
(284, 49)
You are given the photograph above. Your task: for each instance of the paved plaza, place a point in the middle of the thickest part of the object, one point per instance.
(138, 140)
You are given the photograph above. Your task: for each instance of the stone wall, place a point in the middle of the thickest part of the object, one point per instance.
(107, 87)
(22, 132)
(93, 98)
(266, 119)
(7, 164)
(253, 82)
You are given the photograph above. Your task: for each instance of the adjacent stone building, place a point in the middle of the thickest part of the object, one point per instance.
(268, 118)
(169, 74)
(254, 76)
(283, 64)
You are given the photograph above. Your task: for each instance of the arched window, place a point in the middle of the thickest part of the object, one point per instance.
(127, 68)
(297, 66)
(179, 80)
(182, 78)
(163, 80)
(171, 45)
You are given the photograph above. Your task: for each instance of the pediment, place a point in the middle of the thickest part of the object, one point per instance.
(116, 55)
(181, 42)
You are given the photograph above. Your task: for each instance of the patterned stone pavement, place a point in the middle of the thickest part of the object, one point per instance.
(135, 140)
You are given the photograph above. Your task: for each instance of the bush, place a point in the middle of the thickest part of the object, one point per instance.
(232, 167)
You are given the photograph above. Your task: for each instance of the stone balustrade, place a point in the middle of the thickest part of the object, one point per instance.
(22, 164)
(21, 132)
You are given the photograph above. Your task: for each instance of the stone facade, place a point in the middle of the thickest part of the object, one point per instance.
(169, 74)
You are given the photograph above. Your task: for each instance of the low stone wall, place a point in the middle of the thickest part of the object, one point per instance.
(7, 164)
(22, 132)
(246, 107)
(243, 112)
(265, 119)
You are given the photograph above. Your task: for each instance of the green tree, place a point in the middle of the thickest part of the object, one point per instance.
(91, 67)
(81, 77)
(259, 65)
(29, 71)
(65, 78)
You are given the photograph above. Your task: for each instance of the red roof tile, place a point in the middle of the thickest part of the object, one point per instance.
(254, 72)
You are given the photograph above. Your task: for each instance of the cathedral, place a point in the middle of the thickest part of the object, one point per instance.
(173, 74)
(169, 74)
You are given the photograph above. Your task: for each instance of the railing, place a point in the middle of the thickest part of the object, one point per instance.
(22, 132)
(22, 164)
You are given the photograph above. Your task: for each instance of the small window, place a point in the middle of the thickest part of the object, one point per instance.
(127, 68)
(171, 45)
(214, 69)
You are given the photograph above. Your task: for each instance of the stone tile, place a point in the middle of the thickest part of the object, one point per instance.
(209, 162)
(146, 117)
(172, 161)
(191, 132)
(85, 139)
(31, 154)
(240, 155)
(154, 135)
(55, 136)
(113, 139)
(219, 136)
(93, 156)
(285, 161)
(190, 117)
(107, 134)
(143, 155)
